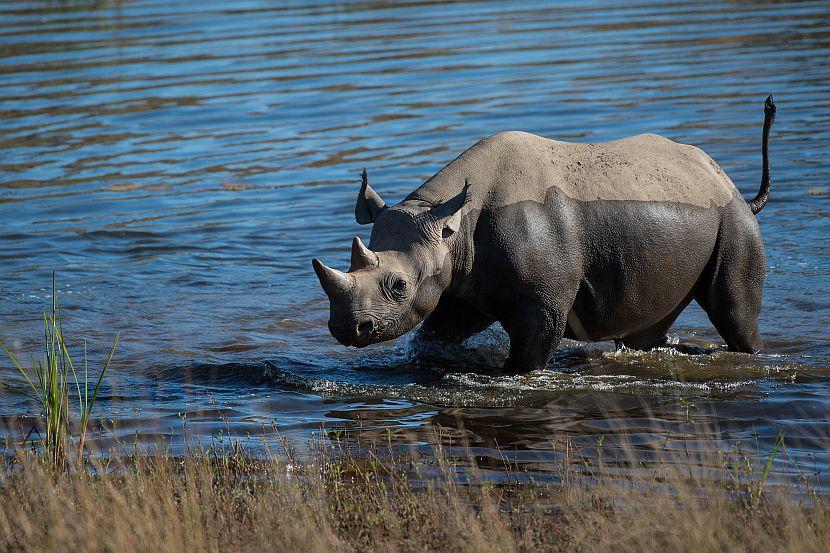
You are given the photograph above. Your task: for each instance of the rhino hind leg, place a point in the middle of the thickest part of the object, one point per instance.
(646, 340)
(730, 291)
(654, 336)
(736, 320)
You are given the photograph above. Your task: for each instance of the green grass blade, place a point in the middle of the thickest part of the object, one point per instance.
(779, 443)
(21, 369)
(103, 372)
(86, 381)
(67, 360)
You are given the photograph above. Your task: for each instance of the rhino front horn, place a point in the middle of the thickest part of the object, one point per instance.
(362, 257)
(333, 281)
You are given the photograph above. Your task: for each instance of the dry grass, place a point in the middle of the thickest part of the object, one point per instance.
(341, 500)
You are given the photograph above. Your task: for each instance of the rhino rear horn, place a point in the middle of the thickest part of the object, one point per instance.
(362, 257)
(369, 205)
(333, 281)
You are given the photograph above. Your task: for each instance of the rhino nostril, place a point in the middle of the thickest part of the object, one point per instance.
(365, 328)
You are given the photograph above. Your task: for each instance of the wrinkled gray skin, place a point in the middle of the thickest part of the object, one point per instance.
(607, 241)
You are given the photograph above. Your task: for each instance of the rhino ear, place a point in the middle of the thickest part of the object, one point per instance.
(451, 225)
(449, 213)
(369, 205)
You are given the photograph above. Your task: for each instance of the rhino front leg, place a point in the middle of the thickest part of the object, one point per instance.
(534, 331)
(453, 320)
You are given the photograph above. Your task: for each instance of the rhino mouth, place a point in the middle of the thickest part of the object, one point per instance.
(365, 334)
(363, 342)
(359, 336)
(364, 339)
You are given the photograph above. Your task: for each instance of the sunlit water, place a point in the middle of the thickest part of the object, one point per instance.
(179, 163)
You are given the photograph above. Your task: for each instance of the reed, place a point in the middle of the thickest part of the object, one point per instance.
(53, 379)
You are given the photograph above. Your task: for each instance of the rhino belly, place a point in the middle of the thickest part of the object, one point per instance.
(641, 260)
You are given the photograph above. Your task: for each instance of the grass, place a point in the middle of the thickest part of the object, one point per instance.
(53, 379)
(347, 498)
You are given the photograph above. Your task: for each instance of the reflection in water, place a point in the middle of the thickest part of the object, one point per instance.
(179, 165)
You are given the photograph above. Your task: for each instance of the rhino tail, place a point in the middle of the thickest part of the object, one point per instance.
(757, 203)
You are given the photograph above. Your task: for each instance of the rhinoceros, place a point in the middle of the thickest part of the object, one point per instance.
(603, 241)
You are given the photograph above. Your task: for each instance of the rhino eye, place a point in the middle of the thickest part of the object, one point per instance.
(399, 287)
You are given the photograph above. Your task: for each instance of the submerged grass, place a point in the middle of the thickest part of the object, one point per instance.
(342, 498)
(52, 379)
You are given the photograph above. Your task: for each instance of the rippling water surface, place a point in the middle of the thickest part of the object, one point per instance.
(179, 163)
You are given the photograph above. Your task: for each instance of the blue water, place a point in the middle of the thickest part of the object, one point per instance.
(179, 164)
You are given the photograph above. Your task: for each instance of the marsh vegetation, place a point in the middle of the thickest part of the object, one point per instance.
(345, 497)
(64, 392)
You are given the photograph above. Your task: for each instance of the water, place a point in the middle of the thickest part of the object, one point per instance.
(180, 163)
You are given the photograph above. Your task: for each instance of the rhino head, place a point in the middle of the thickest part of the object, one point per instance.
(395, 283)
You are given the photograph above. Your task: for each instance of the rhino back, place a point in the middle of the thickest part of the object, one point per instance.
(516, 166)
